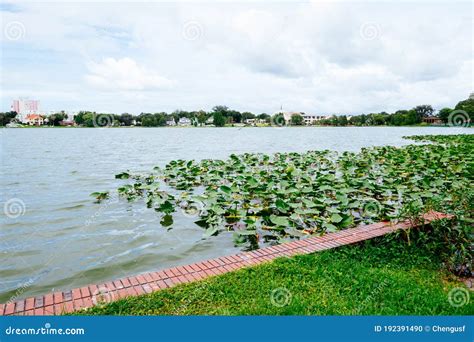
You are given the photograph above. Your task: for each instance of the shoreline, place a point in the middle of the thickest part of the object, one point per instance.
(240, 127)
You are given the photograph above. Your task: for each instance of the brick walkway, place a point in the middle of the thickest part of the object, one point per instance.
(68, 301)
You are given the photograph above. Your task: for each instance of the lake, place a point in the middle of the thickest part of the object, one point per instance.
(55, 237)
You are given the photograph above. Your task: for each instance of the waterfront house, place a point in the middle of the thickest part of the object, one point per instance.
(184, 122)
(66, 123)
(34, 120)
(170, 122)
(433, 120)
(254, 121)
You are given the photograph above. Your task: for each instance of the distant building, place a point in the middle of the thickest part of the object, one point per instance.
(433, 120)
(310, 119)
(34, 120)
(289, 115)
(171, 122)
(184, 122)
(24, 107)
(67, 123)
(254, 121)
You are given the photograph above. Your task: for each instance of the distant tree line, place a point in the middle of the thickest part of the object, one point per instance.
(219, 116)
(413, 116)
(409, 117)
(222, 115)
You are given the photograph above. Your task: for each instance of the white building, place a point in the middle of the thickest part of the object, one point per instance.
(254, 121)
(311, 119)
(170, 122)
(184, 122)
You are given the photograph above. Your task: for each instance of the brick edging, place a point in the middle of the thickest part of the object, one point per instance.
(68, 301)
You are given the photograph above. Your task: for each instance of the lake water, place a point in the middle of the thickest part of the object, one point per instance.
(60, 239)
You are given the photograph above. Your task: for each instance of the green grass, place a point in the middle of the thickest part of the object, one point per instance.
(375, 278)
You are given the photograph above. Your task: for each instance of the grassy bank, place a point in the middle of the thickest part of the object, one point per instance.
(379, 277)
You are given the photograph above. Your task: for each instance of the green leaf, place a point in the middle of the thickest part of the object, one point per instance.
(99, 196)
(279, 220)
(330, 227)
(166, 207)
(212, 230)
(225, 189)
(167, 220)
(123, 175)
(336, 218)
(347, 221)
(281, 205)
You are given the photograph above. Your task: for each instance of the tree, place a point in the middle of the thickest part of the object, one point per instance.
(219, 119)
(468, 107)
(56, 118)
(342, 120)
(125, 119)
(79, 118)
(148, 120)
(379, 119)
(201, 117)
(88, 119)
(296, 120)
(7, 117)
(423, 111)
(222, 109)
(444, 114)
(358, 120)
(247, 115)
(412, 117)
(160, 119)
(333, 120)
(278, 120)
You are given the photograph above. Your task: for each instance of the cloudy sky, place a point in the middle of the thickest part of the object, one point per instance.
(316, 57)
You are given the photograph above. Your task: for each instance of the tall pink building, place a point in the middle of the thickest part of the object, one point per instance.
(24, 107)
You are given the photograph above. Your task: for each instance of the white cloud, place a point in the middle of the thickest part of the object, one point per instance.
(124, 74)
(248, 55)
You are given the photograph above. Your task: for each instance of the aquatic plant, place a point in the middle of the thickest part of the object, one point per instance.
(267, 199)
